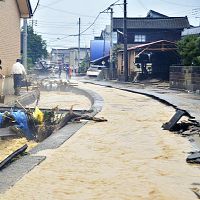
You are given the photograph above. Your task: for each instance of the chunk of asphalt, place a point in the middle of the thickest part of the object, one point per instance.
(194, 157)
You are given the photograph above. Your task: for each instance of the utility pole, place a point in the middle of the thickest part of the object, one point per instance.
(25, 44)
(125, 44)
(111, 43)
(104, 42)
(79, 40)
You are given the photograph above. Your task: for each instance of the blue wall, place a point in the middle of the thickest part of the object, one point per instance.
(97, 49)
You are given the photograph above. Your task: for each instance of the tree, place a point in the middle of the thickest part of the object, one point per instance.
(36, 47)
(84, 64)
(116, 48)
(189, 49)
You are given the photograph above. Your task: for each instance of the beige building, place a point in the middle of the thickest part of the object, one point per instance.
(11, 11)
(73, 57)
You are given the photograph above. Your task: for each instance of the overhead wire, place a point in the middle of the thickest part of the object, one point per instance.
(66, 12)
(81, 33)
(178, 4)
(143, 6)
(36, 6)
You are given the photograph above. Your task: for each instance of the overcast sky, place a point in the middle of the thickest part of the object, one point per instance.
(55, 20)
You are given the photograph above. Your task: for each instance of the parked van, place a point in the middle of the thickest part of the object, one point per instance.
(94, 70)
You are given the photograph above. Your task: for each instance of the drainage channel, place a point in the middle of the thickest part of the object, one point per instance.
(15, 170)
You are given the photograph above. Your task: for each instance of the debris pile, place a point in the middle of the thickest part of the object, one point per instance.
(194, 157)
(188, 128)
(29, 123)
(38, 125)
(13, 156)
(185, 128)
(55, 84)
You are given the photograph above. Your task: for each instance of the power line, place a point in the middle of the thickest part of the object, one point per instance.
(177, 4)
(66, 12)
(58, 23)
(55, 2)
(81, 33)
(98, 16)
(36, 6)
(143, 6)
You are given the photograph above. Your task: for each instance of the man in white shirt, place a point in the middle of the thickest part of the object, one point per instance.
(18, 71)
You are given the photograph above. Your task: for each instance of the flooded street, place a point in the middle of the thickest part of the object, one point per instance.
(129, 157)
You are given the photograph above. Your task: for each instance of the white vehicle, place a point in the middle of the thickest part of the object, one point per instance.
(94, 70)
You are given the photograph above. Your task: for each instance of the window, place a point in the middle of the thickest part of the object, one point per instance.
(140, 38)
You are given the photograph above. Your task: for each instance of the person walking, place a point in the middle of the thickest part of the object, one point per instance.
(59, 70)
(18, 71)
(67, 71)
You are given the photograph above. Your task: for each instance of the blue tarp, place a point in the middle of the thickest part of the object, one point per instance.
(22, 123)
(1, 119)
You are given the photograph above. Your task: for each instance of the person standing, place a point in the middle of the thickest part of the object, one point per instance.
(18, 71)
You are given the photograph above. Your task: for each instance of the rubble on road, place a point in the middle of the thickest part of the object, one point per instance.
(188, 128)
(12, 156)
(171, 125)
(194, 157)
(55, 84)
(37, 125)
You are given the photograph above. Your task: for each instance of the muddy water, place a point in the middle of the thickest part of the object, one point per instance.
(63, 100)
(127, 158)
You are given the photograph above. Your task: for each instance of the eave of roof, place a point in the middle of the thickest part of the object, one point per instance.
(152, 12)
(149, 44)
(152, 23)
(24, 8)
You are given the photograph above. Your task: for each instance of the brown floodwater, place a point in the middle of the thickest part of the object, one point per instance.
(129, 157)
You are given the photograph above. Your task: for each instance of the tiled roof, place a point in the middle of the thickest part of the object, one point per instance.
(155, 14)
(152, 23)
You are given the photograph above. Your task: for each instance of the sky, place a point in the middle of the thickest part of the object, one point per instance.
(57, 20)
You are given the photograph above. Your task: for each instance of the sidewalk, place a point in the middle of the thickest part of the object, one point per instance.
(11, 98)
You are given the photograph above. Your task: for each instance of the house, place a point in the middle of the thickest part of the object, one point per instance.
(191, 31)
(11, 13)
(149, 60)
(153, 27)
(60, 56)
(69, 56)
(84, 55)
(151, 40)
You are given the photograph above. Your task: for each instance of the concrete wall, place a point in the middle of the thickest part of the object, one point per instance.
(9, 40)
(185, 77)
